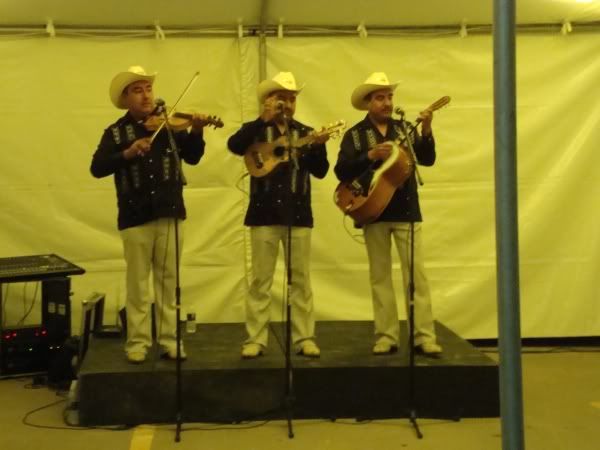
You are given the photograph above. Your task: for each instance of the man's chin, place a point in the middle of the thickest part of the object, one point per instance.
(145, 111)
(384, 116)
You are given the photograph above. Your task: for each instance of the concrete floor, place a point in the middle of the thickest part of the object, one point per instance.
(561, 405)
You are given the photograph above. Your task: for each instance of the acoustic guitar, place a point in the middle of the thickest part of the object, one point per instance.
(264, 157)
(365, 197)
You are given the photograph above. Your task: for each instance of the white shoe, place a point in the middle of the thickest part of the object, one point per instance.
(430, 348)
(251, 350)
(136, 357)
(309, 348)
(384, 348)
(172, 354)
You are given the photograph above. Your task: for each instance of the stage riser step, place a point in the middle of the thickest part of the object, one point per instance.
(346, 382)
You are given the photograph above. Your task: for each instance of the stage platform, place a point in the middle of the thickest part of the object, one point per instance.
(347, 381)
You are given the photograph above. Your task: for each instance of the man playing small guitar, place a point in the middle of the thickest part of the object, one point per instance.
(367, 145)
(277, 200)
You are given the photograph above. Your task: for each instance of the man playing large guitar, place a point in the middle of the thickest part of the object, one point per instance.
(364, 148)
(277, 199)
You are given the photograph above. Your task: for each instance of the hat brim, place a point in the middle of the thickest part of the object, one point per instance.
(121, 81)
(358, 95)
(267, 87)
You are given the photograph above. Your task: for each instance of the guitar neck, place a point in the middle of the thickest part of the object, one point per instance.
(308, 139)
(300, 142)
(332, 130)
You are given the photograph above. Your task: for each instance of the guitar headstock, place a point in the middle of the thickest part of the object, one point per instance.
(440, 103)
(334, 129)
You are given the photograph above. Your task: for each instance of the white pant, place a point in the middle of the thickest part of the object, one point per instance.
(151, 247)
(385, 311)
(265, 248)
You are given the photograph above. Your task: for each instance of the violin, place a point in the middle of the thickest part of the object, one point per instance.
(178, 121)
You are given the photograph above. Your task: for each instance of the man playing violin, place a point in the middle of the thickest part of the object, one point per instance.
(365, 146)
(277, 200)
(149, 184)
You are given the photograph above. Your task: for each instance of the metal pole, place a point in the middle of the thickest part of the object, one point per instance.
(262, 41)
(507, 239)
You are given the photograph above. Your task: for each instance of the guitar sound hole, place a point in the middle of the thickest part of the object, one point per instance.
(279, 151)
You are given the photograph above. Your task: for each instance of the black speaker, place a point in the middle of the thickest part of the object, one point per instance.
(61, 368)
(56, 307)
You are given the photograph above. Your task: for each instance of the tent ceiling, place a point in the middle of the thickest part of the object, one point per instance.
(227, 13)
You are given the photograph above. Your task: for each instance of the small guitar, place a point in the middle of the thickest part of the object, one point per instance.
(264, 157)
(365, 197)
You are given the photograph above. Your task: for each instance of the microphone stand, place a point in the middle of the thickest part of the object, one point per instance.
(178, 385)
(411, 298)
(289, 376)
(179, 173)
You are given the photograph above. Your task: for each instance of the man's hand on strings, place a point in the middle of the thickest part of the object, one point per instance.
(380, 152)
(320, 137)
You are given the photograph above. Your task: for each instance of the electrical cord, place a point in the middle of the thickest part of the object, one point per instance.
(26, 312)
(25, 420)
(4, 302)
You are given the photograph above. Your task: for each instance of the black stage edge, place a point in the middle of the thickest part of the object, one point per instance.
(348, 381)
(563, 341)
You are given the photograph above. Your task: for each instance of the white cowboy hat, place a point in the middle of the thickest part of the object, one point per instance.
(124, 79)
(376, 81)
(283, 81)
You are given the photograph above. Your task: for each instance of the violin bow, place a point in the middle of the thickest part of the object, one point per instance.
(185, 91)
